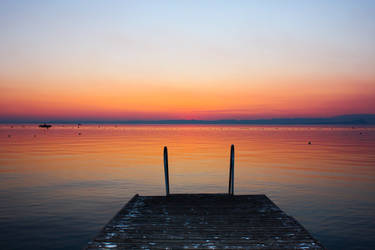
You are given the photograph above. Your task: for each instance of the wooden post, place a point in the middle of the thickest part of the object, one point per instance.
(231, 172)
(166, 174)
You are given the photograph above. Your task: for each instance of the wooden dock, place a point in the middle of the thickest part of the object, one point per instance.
(203, 221)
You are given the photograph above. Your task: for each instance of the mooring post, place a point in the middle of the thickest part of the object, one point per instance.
(231, 172)
(166, 174)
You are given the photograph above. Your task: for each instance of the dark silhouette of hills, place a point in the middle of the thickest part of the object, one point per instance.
(353, 119)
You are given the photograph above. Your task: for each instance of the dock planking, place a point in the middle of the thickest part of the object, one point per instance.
(203, 221)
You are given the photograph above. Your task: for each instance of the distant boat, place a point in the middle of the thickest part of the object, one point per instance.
(45, 125)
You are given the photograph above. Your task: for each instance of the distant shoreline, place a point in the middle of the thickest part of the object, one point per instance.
(356, 119)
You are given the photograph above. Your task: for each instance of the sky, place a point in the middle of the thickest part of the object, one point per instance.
(155, 60)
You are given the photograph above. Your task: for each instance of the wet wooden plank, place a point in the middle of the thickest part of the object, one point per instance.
(203, 221)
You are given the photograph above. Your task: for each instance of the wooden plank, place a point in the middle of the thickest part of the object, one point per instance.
(203, 221)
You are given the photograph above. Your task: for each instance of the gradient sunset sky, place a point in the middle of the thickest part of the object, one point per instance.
(152, 60)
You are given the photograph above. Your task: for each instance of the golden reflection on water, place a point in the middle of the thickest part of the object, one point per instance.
(86, 174)
(197, 154)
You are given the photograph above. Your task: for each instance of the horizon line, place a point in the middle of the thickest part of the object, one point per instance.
(340, 119)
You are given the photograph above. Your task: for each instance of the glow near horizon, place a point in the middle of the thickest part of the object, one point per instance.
(186, 60)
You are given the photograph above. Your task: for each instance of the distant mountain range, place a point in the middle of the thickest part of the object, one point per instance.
(354, 119)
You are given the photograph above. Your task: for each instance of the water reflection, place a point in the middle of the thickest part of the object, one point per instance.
(58, 187)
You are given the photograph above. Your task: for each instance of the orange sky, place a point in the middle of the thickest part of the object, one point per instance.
(183, 61)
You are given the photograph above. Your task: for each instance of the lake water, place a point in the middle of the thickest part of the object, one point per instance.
(58, 187)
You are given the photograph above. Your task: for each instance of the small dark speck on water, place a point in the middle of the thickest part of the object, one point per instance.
(309, 143)
(79, 133)
(360, 133)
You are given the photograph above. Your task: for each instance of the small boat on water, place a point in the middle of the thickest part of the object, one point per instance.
(45, 125)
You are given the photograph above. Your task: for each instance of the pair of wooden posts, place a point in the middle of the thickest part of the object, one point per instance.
(231, 171)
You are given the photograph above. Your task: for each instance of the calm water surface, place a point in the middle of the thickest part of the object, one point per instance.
(58, 187)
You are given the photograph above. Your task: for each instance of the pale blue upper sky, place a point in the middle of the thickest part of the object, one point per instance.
(306, 34)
